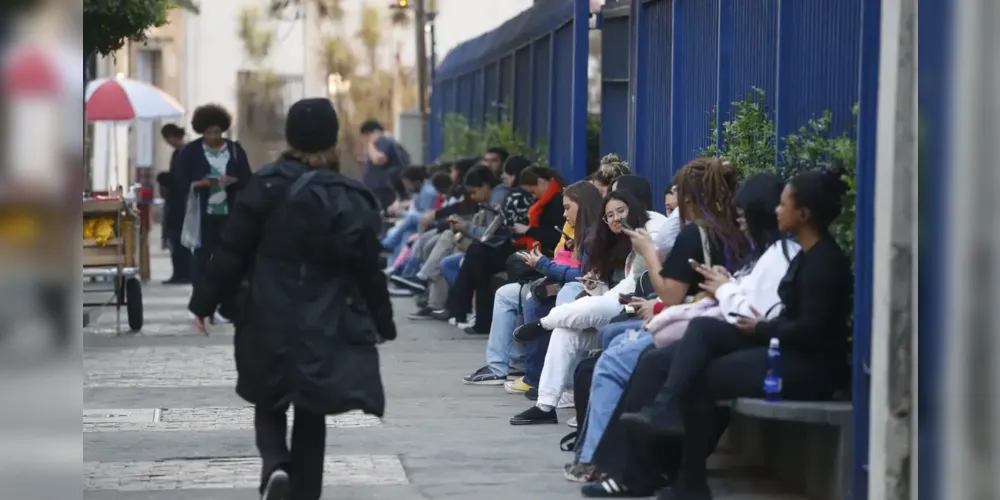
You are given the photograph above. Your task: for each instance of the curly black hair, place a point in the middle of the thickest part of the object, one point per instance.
(210, 115)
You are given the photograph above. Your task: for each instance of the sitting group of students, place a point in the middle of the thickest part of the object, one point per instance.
(643, 322)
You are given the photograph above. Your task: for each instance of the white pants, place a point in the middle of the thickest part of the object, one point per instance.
(565, 348)
(583, 313)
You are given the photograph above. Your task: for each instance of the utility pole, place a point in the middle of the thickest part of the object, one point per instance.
(431, 16)
(421, 21)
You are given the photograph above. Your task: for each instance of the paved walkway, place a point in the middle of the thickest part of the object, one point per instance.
(161, 420)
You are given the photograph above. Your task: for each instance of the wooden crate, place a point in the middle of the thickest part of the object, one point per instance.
(96, 255)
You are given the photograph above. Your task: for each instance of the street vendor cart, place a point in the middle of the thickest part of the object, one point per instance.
(111, 254)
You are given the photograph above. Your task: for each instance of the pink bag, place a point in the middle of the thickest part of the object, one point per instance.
(669, 326)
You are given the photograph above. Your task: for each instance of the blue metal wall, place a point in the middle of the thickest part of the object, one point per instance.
(532, 71)
(683, 62)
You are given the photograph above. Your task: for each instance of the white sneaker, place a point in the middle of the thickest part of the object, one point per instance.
(277, 486)
(566, 401)
(219, 320)
(470, 321)
(571, 422)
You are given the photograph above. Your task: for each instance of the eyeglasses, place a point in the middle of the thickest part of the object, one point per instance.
(616, 215)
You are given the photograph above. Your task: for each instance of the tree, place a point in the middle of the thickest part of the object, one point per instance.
(370, 34)
(109, 24)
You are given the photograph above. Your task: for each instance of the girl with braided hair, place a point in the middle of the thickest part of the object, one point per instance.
(612, 168)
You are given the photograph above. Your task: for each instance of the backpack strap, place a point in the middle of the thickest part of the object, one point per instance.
(301, 183)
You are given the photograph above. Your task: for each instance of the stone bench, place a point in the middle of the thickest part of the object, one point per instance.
(805, 445)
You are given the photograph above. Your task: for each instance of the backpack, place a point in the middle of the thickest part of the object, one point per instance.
(402, 154)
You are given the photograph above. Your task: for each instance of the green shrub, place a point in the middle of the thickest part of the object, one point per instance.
(748, 137)
(462, 140)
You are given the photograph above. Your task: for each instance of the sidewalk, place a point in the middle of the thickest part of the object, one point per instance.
(161, 420)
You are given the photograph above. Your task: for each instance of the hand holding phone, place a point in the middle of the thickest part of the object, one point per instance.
(626, 225)
(625, 299)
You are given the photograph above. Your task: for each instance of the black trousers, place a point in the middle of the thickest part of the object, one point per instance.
(211, 233)
(180, 257)
(304, 461)
(475, 277)
(645, 464)
(716, 361)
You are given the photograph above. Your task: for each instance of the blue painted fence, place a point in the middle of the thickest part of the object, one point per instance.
(531, 70)
(671, 69)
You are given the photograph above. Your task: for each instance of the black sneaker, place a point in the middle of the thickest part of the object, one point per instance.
(665, 421)
(469, 330)
(609, 488)
(400, 292)
(412, 283)
(484, 376)
(535, 415)
(515, 374)
(422, 313)
(441, 315)
(531, 394)
(529, 331)
(277, 486)
(421, 301)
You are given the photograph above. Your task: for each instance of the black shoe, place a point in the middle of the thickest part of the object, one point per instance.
(484, 376)
(421, 301)
(515, 374)
(471, 330)
(422, 313)
(531, 394)
(680, 492)
(277, 486)
(535, 415)
(441, 315)
(411, 283)
(665, 421)
(529, 331)
(609, 488)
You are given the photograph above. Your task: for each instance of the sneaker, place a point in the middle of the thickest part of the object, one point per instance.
(666, 421)
(581, 473)
(422, 313)
(483, 376)
(471, 330)
(529, 331)
(572, 423)
(566, 401)
(421, 301)
(535, 415)
(469, 321)
(219, 320)
(411, 283)
(531, 394)
(441, 315)
(609, 488)
(516, 386)
(277, 486)
(399, 292)
(515, 374)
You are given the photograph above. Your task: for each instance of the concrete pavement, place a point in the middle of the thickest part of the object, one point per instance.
(161, 420)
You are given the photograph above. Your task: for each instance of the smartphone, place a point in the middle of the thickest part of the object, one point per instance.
(738, 315)
(695, 264)
(624, 299)
(568, 237)
(625, 224)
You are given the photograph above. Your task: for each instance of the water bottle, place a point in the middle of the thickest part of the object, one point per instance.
(772, 381)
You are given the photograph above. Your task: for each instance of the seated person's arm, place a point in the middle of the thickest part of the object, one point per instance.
(557, 272)
(672, 279)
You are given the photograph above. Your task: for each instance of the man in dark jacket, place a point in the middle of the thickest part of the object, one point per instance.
(173, 209)
(299, 257)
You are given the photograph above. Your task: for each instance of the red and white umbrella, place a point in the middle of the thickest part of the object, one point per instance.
(124, 99)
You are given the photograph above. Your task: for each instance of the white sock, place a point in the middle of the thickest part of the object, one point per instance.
(545, 407)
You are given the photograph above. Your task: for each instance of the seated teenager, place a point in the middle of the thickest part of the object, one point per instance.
(753, 287)
(607, 254)
(415, 180)
(581, 208)
(717, 360)
(482, 261)
(410, 260)
(612, 167)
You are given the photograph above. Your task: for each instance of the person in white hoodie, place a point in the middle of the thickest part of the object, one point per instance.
(573, 325)
(754, 287)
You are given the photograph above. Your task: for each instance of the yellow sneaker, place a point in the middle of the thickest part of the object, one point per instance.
(516, 386)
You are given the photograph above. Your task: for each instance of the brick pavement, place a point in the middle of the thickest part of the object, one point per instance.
(161, 421)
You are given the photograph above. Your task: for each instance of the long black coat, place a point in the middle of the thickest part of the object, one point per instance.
(306, 325)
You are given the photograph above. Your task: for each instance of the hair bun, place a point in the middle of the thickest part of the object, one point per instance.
(834, 178)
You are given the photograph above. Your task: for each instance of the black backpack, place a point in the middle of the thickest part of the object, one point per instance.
(402, 154)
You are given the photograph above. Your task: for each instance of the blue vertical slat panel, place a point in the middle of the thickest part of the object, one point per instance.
(435, 123)
(753, 49)
(818, 56)
(491, 89)
(695, 90)
(522, 91)
(653, 104)
(615, 41)
(465, 91)
(561, 125)
(506, 92)
(450, 96)
(478, 104)
(540, 95)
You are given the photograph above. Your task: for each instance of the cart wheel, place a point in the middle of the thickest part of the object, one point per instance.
(133, 303)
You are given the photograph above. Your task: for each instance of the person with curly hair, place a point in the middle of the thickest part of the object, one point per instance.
(612, 168)
(214, 169)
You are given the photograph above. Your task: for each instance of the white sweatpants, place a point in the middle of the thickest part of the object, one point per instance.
(584, 313)
(565, 348)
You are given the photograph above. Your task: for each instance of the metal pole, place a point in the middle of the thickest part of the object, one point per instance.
(431, 16)
(421, 22)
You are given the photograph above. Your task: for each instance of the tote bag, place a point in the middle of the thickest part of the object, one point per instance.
(191, 230)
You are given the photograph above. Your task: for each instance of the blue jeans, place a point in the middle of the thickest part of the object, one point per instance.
(611, 331)
(534, 352)
(502, 352)
(395, 238)
(611, 373)
(450, 266)
(411, 266)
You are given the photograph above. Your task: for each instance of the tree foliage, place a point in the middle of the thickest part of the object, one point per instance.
(109, 24)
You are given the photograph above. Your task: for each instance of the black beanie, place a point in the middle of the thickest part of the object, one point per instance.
(312, 125)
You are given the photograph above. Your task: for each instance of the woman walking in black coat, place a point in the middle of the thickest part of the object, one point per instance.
(297, 269)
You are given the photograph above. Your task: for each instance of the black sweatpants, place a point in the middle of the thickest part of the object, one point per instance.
(211, 233)
(304, 461)
(475, 277)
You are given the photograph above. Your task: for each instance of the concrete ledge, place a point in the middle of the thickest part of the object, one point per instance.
(836, 413)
